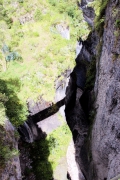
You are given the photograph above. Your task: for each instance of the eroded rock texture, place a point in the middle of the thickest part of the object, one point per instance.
(96, 131)
(77, 105)
(11, 169)
(106, 129)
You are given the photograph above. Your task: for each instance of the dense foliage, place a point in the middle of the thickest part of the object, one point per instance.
(32, 55)
(99, 7)
(14, 108)
(46, 154)
(32, 51)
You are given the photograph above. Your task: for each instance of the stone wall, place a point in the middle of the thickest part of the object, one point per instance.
(106, 129)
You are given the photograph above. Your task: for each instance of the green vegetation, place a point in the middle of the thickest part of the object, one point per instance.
(99, 7)
(6, 148)
(32, 56)
(90, 81)
(14, 108)
(116, 33)
(117, 23)
(46, 154)
(32, 52)
(115, 12)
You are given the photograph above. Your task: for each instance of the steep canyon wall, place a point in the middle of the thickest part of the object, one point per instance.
(95, 123)
(106, 128)
(92, 113)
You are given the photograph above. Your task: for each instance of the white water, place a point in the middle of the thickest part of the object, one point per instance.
(73, 169)
(78, 48)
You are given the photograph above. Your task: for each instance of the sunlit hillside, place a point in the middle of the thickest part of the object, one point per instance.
(33, 53)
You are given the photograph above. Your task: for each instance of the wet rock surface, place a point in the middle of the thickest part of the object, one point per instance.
(88, 12)
(78, 124)
(75, 115)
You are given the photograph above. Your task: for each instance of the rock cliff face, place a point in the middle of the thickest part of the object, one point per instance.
(91, 113)
(88, 11)
(106, 129)
(10, 169)
(78, 104)
(96, 126)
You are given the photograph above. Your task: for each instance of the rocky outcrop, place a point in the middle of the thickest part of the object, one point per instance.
(26, 18)
(10, 169)
(95, 125)
(63, 30)
(106, 129)
(88, 11)
(76, 114)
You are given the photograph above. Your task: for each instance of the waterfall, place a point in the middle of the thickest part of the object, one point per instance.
(78, 48)
(41, 111)
(26, 132)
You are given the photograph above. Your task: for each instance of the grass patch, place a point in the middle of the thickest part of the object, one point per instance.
(99, 7)
(117, 23)
(46, 154)
(43, 53)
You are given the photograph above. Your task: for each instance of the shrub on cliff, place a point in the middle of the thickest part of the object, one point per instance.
(38, 15)
(13, 107)
(6, 148)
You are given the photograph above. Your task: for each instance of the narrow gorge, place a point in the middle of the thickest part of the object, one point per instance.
(76, 136)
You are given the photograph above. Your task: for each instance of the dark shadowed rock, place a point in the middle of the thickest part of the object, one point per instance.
(88, 12)
(97, 136)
